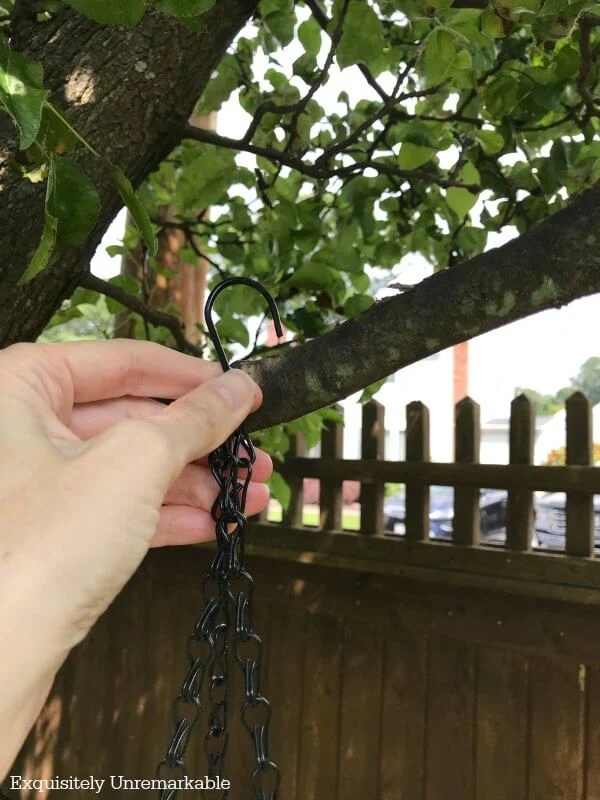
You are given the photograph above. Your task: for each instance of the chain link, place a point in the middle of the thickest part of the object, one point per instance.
(228, 592)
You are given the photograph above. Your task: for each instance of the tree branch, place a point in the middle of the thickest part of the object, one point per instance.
(320, 172)
(151, 315)
(549, 266)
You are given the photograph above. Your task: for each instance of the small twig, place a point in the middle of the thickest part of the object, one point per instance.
(335, 40)
(323, 20)
(153, 316)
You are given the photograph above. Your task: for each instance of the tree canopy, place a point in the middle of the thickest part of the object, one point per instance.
(454, 121)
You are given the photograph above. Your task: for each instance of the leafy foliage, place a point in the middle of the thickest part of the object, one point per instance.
(371, 133)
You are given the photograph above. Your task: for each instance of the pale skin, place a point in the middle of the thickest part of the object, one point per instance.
(93, 472)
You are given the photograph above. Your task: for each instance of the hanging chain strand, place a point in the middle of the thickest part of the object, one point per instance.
(222, 604)
(228, 593)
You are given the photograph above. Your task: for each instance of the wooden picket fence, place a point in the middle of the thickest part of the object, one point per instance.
(573, 573)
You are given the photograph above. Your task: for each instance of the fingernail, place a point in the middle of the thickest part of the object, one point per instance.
(237, 389)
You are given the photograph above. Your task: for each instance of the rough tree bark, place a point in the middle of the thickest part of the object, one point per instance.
(129, 92)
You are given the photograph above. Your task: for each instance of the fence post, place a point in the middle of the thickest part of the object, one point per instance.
(519, 512)
(417, 494)
(330, 496)
(467, 434)
(372, 447)
(292, 515)
(580, 507)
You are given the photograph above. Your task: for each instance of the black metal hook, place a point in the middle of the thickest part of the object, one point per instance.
(208, 310)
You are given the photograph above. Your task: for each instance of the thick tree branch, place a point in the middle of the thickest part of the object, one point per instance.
(547, 267)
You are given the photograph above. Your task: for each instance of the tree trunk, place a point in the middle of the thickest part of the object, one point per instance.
(129, 92)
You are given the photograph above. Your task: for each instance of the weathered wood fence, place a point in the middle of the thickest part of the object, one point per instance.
(398, 668)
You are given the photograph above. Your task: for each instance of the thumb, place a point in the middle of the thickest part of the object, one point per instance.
(187, 429)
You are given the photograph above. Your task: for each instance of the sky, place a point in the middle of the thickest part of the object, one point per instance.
(542, 352)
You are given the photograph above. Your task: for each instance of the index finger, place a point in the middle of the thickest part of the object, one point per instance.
(86, 371)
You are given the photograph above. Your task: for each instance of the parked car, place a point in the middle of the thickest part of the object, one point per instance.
(551, 521)
(492, 509)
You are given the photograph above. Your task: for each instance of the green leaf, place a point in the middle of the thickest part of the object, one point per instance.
(280, 489)
(309, 33)
(113, 12)
(412, 156)
(21, 92)
(203, 182)
(443, 56)
(357, 304)
(461, 201)
(491, 141)
(491, 23)
(279, 18)
(184, 9)
(233, 330)
(116, 250)
(137, 210)
(220, 85)
(74, 202)
(362, 39)
(370, 392)
(43, 251)
(72, 208)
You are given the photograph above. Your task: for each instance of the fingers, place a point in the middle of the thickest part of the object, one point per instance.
(183, 524)
(91, 419)
(155, 451)
(201, 420)
(80, 372)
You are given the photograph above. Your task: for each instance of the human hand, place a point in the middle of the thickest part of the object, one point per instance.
(92, 473)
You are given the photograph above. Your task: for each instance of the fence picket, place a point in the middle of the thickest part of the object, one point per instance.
(580, 507)
(373, 447)
(292, 515)
(417, 494)
(466, 500)
(520, 501)
(331, 499)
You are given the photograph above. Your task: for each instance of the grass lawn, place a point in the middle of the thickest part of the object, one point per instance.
(310, 516)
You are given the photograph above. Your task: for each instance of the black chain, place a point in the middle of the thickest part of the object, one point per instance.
(228, 596)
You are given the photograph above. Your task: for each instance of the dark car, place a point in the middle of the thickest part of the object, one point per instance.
(551, 521)
(492, 509)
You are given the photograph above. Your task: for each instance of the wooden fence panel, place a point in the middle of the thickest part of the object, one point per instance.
(292, 515)
(285, 655)
(557, 730)
(450, 720)
(580, 507)
(319, 733)
(381, 689)
(466, 500)
(360, 725)
(331, 498)
(403, 733)
(373, 447)
(501, 737)
(417, 450)
(519, 513)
